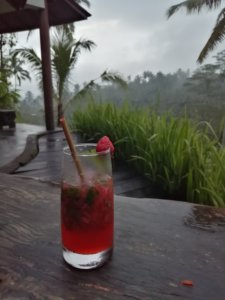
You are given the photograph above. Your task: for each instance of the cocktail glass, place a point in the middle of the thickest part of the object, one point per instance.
(87, 207)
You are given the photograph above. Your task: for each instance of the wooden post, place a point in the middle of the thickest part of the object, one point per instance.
(46, 68)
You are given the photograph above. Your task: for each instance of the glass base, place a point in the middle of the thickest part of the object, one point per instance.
(87, 261)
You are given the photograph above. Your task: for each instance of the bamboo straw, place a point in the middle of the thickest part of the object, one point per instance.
(72, 148)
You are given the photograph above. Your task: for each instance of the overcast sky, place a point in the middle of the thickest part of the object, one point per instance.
(134, 36)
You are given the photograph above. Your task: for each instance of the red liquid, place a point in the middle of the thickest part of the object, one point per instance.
(87, 217)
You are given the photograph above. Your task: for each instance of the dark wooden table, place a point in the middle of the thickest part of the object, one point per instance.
(158, 244)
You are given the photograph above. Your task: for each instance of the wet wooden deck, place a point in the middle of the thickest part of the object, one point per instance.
(13, 141)
(48, 163)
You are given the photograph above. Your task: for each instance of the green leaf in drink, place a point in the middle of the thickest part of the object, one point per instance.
(91, 194)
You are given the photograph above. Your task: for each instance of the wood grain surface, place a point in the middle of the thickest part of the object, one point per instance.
(158, 244)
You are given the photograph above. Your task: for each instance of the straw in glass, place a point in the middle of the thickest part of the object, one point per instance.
(72, 148)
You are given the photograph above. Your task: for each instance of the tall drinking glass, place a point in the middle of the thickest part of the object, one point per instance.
(87, 208)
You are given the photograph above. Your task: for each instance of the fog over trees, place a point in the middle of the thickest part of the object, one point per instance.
(200, 94)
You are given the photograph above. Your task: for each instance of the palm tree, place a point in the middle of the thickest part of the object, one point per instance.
(64, 52)
(17, 71)
(218, 32)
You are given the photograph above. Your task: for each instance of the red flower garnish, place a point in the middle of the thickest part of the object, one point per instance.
(187, 282)
(103, 144)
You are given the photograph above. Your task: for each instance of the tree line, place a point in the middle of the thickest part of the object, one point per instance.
(200, 94)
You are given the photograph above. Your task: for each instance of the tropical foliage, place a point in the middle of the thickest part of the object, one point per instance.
(8, 97)
(218, 32)
(65, 51)
(175, 154)
(11, 70)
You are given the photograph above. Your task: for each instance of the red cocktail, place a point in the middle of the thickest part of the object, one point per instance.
(87, 221)
(87, 217)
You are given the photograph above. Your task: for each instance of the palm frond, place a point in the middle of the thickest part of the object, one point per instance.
(106, 76)
(61, 63)
(3, 88)
(83, 44)
(65, 52)
(30, 32)
(216, 37)
(78, 46)
(83, 92)
(68, 29)
(221, 15)
(113, 77)
(193, 6)
(174, 8)
(29, 55)
(88, 88)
